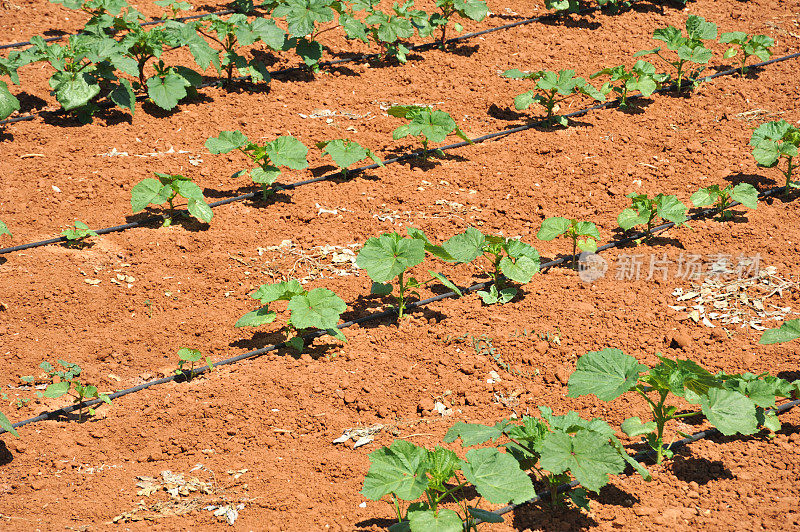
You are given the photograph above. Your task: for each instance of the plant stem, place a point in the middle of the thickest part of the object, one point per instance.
(788, 174)
(401, 304)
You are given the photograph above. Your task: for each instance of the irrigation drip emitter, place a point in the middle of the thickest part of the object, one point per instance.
(639, 457)
(404, 157)
(324, 64)
(185, 375)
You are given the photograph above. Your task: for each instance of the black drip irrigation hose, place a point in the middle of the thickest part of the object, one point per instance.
(407, 156)
(323, 64)
(148, 23)
(639, 457)
(186, 375)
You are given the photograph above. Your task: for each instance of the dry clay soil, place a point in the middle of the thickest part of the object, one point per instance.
(257, 435)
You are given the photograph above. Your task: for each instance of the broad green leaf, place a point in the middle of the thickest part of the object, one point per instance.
(443, 520)
(166, 92)
(587, 229)
(284, 290)
(381, 289)
(607, 374)
(123, 95)
(552, 228)
(670, 208)
(497, 476)
(579, 498)
(630, 218)
(645, 474)
(520, 271)
(57, 389)
(287, 151)
(729, 411)
(633, 427)
(76, 92)
(309, 51)
(433, 125)
(265, 175)
(485, 515)
(345, 153)
(189, 355)
(399, 469)
(703, 198)
(6, 425)
(301, 15)
(268, 32)
(257, 317)
(8, 102)
(790, 330)
(467, 246)
(187, 188)
(524, 100)
(735, 37)
(698, 28)
(4, 230)
(226, 142)
(587, 455)
(149, 191)
(472, 9)
(746, 194)
(297, 343)
(768, 420)
(320, 308)
(474, 433)
(442, 465)
(387, 256)
(587, 245)
(200, 210)
(445, 281)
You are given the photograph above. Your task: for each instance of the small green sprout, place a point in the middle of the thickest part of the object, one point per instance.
(584, 235)
(641, 77)
(345, 153)
(644, 210)
(164, 190)
(774, 141)
(429, 124)
(191, 356)
(77, 233)
(4, 230)
(67, 382)
(757, 45)
(722, 198)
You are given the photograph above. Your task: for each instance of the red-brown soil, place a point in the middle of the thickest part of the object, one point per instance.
(276, 416)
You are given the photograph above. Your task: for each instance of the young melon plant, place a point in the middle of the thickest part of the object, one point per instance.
(773, 142)
(319, 308)
(750, 45)
(551, 89)
(302, 18)
(67, 382)
(76, 234)
(429, 124)
(470, 9)
(190, 356)
(390, 256)
(722, 198)
(511, 260)
(174, 6)
(345, 153)
(688, 48)
(269, 157)
(584, 235)
(166, 189)
(734, 404)
(644, 210)
(641, 77)
(787, 332)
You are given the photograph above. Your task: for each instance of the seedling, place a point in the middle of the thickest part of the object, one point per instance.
(552, 89)
(174, 6)
(67, 382)
(774, 141)
(345, 153)
(641, 77)
(284, 151)
(166, 189)
(689, 48)
(757, 45)
(471, 9)
(584, 235)
(192, 356)
(302, 17)
(555, 449)
(77, 233)
(389, 30)
(734, 404)
(391, 255)
(722, 198)
(319, 308)
(102, 13)
(511, 260)
(430, 125)
(4, 230)
(171, 84)
(644, 210)
(787, 332)
(8, 102)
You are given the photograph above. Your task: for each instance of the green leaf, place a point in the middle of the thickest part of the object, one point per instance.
(149, 191)
(485, 515)
(790, 330)
(287, 151)
(497, 476)
(309, 51)
(257, 317)
(6, 425)
(74, 92)
(265, 175)
(729, 411)
(607, 374)
(4, 230)
(189, 355)
(520, 271)
(445, 281)
(319, 308)
(472, 9)
(442, 465)
(57, 389)
(200, 210)
(443, 520)
(703, 197)
(399, 469)
(670, 208)
(345, 153)
(467, 246)
(746, 194)
(388, 255)
(168, 90)
(226, 142)
(633, 427)
(587, 455)
(474, 433)
(123, 96)
(8, 103)
(296, 343)
(301, 15)
(630, 218)
(284, 290)
(552, 228)
(381, 289)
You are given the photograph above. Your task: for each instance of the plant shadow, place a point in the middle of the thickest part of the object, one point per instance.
(570, 21)
(735, 216)
(373, 523)
(700, 470)
(462, 50)
(613, 495)
(655, 240)
(29, 102)
(545, 517)
(155, 111)
(184, 220)
(5, 455)
(758, 181)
